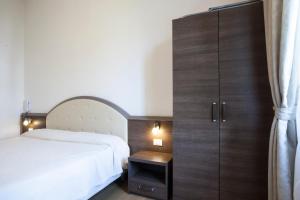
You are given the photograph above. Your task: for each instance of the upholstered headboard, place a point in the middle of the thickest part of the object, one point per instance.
(89, 114)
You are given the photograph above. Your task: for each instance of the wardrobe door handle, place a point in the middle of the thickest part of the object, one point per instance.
(223, 111)
(214, 112)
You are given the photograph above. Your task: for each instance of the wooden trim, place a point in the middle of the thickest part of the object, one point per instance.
(150, 118)
(114, 106)
(33, 114)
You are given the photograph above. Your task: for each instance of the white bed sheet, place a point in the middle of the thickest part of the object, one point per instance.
(60, 165)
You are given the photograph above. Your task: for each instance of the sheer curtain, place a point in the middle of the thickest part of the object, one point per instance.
(297, 166)
(282, 33)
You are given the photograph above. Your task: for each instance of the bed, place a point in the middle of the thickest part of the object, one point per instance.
(83, 149)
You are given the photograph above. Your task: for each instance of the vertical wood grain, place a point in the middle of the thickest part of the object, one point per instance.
(245, 89)
(195, 88)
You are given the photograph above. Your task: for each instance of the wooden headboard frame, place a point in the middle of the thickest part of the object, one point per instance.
(89, 114)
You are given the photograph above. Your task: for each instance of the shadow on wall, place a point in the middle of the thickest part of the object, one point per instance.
(158, 81)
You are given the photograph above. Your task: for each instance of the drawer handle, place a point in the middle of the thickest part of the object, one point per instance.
(140, 187)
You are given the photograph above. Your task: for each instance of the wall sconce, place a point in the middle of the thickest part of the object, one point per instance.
(156, 128)
(27, 121)
(157, 140)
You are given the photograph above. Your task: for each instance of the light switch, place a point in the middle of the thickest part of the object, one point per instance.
(157, 142)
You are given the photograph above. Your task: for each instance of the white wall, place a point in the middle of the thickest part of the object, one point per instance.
(11, 65)
(120, 50)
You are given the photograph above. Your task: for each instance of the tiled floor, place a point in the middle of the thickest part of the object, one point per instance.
(117, 191)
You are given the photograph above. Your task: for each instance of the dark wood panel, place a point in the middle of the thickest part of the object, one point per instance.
(195, 88)
(140, 136)
(38, 121)
(151, 118)
(248, 112)
(152, 157)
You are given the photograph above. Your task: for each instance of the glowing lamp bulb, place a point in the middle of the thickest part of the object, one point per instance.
(156, 128)
(26, 122)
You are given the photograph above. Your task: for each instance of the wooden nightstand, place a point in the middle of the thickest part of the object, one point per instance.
(150, 174)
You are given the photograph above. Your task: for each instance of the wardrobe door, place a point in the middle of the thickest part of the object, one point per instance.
(246, 115)
(196, 88)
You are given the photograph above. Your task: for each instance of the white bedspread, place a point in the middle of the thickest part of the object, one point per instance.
(53, 164)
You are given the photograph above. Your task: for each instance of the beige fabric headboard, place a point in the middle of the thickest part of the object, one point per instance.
(89, 114)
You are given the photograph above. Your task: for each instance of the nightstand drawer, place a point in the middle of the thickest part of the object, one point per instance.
(148, 190)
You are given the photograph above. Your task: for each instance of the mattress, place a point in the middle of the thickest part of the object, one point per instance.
(53, 164)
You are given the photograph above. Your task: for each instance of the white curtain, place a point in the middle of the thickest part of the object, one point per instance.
(283, 36)
(297, 165)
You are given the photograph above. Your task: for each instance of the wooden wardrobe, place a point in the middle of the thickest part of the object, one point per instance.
(222, 105)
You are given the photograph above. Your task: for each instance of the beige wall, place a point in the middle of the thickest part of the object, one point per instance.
(11, 65)
(119, 50)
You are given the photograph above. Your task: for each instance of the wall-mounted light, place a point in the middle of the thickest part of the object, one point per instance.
(27, 121)
(157, 140)
(156, 128)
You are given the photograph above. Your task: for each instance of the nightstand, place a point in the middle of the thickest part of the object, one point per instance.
(150, 174)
